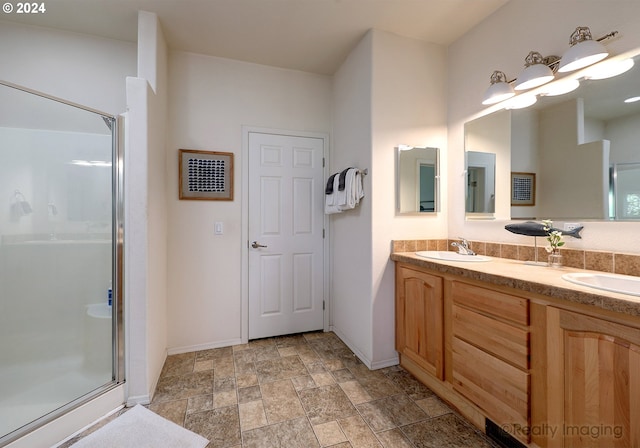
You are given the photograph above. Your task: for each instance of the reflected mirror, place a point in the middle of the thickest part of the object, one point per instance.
(578, 150)
(486, 142)
(481, 182)
(417, 179)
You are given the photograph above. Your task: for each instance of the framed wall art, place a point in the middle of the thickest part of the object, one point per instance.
(523, 188)
(206, 175)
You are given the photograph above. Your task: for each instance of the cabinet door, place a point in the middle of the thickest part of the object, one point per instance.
(419, 318)
(594, 381)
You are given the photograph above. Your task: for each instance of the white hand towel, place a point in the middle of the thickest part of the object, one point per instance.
(341, 196)
(330, 205)
(349, 191)
(359, 190)
(353, 189)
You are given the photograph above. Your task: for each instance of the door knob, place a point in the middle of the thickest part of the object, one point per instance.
(255, 245)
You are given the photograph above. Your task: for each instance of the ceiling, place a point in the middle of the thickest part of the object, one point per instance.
(309, 35)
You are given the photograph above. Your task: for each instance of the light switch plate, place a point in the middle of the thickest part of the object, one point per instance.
(218, 228)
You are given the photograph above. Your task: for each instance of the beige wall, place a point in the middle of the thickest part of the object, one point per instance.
(87, 70)
(390, 91)
(211, 99)
(351, 230)
(578, 170)
(146, 214)
(408, 107)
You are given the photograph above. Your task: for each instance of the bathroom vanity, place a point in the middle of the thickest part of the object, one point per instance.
(516, 348)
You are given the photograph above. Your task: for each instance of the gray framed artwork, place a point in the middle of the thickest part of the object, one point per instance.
(206, 175)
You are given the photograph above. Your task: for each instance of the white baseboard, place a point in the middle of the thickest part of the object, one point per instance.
(366, 361)
(386, 363)
(138, 399)
(208, 346)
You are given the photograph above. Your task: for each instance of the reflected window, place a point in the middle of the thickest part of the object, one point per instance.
(632, 206)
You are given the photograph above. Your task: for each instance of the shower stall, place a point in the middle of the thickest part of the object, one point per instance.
(624, 191)
(61, 233)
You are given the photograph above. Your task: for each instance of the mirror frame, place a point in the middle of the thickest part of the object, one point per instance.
(436, 182)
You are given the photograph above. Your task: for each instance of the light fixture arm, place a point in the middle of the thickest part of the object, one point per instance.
(498, 76)
(607, 36)
(534, 57)
(583, 33)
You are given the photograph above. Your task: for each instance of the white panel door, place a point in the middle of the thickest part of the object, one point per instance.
(286, 194)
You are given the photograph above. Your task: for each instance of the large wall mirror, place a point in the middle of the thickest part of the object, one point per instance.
(417, 179)
(574, 156)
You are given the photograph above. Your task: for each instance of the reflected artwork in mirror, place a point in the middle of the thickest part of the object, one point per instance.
(582, 148)
(417, 180)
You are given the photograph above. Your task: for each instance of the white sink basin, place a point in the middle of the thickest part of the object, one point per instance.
(451, 256)
(625, 284)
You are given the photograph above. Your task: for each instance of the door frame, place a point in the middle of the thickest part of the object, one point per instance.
(244, 241)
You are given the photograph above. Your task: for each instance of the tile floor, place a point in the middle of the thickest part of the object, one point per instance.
(304, 391)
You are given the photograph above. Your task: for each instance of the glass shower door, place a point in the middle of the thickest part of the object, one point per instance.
(58, 216)
(627, 190)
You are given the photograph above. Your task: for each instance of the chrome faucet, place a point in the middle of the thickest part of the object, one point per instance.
(464, 248)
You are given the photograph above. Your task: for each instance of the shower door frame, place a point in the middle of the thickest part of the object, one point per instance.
(117, 248)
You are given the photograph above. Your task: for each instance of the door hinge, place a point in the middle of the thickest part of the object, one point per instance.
(323, 305)
(322, 233)
(323, 162)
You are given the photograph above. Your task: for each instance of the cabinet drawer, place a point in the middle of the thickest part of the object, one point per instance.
(505, 306)
(496, 337)
(499, 388)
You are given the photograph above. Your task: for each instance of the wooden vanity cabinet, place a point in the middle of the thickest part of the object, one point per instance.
(419, 318)
(490, 353)
(593, 381)
(562, 374)
(487, 343)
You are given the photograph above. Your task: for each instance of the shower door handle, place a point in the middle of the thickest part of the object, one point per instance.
(256, 245)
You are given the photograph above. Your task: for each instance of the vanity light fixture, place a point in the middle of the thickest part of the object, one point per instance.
(521, 101)
(609, 69)
(560, 87)
(537, 71)
(541, 70)
(499, 90)
(584, 50)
